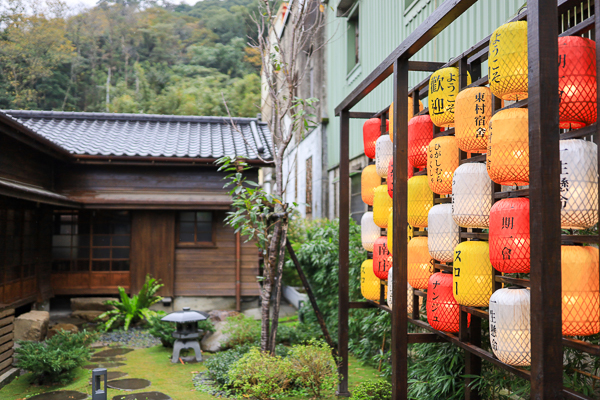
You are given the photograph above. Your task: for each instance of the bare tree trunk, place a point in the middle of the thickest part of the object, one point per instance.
(267, 286)
(279, 276)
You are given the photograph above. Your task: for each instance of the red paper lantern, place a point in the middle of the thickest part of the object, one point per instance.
(420, 133)
(390, 178)
(371, 132)
(577, 82)
(443, 312)
(509, 235)
(382, 259)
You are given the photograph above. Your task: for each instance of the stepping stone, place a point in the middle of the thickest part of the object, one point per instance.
(113, 375)
(129, 384)
(61, 395)
(112, 352)
(104, 365)
(143, 396)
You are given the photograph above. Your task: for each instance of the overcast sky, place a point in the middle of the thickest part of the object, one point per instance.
(90, 3)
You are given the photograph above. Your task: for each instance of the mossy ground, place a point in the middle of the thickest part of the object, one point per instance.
(154, 364)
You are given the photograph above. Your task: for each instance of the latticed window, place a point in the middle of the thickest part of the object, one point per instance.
(195, 228)
(96, 241)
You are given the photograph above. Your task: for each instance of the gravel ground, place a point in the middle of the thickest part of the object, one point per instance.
(138, 338)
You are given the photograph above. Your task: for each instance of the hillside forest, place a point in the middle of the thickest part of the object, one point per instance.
(130, 56)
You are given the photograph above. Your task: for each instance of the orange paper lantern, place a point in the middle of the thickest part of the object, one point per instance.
(472, 120)
(443, 160)
(580, 291)
(420, 133)
(577, 82)
(382, 259)
(420, 266)
(443, 312)
(508, 149)
(369, 180)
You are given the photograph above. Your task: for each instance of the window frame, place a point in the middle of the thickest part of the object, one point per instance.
(353, 22)
(195, 243)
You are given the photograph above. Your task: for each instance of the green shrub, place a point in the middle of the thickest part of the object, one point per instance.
(314, 367)
(130, 310)
(298, 333)
(242, 330)
(260, 375)
(373, 390)
(56, 359)
(218, 366)
(162, 330)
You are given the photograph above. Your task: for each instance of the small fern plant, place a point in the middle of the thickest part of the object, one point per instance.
(132, 309)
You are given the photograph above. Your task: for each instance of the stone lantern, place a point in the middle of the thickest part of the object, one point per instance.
(187, 333)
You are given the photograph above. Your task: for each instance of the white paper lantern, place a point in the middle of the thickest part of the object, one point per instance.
(443, 233)
(471, 196)
(384, 150)
(369, 232)
(390, 293)
(578, 184)
(510, 326)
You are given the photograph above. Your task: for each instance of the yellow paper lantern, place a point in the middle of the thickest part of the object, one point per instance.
(420, 266)
(473, 275)
(369, 180)
(472, 120)
(507, 61)
(580, 291)
(420, 200)
(443, 89)
(410, 113)
(442, 160)
(369, 283)
(382, 206)
(508, 147)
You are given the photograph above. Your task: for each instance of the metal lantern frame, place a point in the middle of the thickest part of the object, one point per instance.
(544, 19)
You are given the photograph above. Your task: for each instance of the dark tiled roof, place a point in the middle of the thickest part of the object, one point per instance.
(105, 134)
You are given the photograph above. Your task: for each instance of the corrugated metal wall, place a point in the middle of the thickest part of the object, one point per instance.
(383, 25)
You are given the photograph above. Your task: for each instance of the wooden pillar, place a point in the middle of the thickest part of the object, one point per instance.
(399, 309)
(544, 193)
(343, 288)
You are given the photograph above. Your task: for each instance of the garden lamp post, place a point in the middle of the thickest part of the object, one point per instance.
(187, 333)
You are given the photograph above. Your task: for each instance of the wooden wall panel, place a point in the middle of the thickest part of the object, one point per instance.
(20, 162)
(211, 271)
(152, 249)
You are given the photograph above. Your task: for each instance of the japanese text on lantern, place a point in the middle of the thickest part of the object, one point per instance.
(434, 305)
(480, 121)
(564, 184)
(493, 56)
(493, 329)
(434, 164)
(457, 270)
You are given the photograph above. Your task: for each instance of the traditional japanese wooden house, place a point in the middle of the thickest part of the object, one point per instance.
(91, 201)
